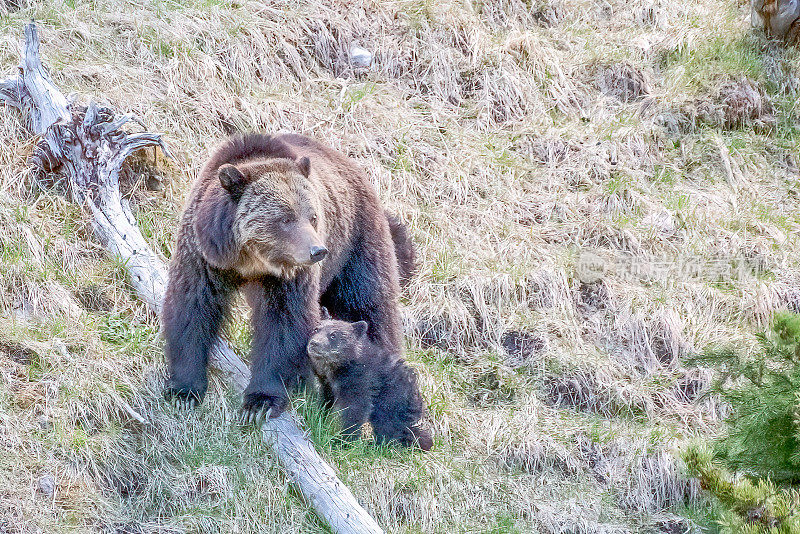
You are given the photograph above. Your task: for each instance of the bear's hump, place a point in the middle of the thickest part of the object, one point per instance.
(248, 147)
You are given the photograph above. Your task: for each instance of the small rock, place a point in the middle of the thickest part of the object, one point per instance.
(46, 485)
(61, 348)
(43, 421)
(360, 58)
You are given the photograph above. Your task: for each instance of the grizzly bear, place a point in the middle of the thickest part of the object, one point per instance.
(364, 382)
(293, 224)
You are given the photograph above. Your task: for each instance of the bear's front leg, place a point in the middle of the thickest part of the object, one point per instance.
(194, 309)
(354, 407)
(326, 391)
(284, 314)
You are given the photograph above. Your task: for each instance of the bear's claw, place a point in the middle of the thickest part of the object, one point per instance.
(184, 404)
(258, 407)
(254, 417)
(182, 398)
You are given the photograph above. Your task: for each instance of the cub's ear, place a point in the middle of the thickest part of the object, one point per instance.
(305, 166)
(324, 314)
(360, 328)
(232, 180)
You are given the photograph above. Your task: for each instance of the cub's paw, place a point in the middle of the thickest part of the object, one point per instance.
(414, 436)
(183, 398)
(258, 407)
(422, 438)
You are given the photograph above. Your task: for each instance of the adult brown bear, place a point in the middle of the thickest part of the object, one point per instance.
(295, 224)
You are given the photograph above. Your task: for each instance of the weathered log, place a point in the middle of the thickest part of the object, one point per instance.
(88, 147)
(778, 18)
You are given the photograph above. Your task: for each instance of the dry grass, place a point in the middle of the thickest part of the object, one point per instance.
(511, 136)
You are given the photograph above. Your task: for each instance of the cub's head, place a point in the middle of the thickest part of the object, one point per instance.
(278, 220)
(335, 342)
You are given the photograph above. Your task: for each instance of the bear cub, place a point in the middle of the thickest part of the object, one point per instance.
(365, 383)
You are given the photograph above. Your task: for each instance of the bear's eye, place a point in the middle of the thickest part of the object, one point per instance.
(314, 220)
(333, 336)
(287, 219)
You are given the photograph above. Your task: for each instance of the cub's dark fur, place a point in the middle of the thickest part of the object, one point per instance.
(293, 224)
(366, 383)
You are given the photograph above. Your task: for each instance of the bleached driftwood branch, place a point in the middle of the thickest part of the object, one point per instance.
(88, 147)
(778, 18)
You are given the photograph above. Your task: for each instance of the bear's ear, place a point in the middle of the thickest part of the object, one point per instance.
(305, 166)
(232, 180)
(360, 328)
(324, 314)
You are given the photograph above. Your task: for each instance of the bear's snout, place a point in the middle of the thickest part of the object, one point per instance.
(315, 346)
(318, 253)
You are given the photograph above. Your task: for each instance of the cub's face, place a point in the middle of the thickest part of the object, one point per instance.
(334, 342)
(279, 219)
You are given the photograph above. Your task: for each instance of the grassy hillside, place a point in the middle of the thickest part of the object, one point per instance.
(513, 136)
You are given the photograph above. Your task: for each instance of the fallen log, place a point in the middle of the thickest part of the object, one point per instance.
(778, 18)
(88, 147)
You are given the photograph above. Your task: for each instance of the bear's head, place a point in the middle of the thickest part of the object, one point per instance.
(277, 221)
(335, 342)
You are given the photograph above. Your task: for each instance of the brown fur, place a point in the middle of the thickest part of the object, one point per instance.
(364, 383)
(404, 248)
(231, 237)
